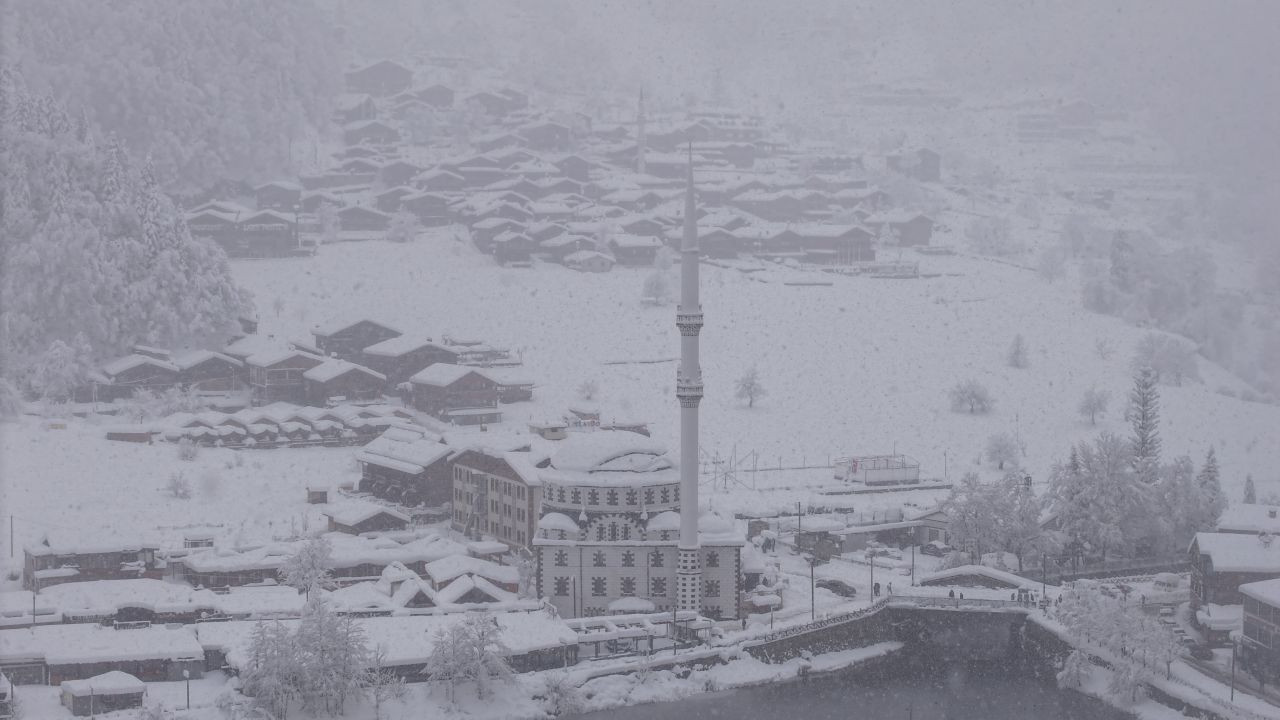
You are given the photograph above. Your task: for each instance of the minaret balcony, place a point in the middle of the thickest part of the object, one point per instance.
(690, 323)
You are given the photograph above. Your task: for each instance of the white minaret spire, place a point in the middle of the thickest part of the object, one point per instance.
(640, 138)
(689, 391)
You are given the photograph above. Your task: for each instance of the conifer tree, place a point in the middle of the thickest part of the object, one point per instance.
(1210, 502)
(1144, 416)
(1250, 492)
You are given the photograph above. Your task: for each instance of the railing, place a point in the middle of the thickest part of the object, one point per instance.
(823, 623)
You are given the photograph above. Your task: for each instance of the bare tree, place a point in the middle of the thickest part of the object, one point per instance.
(749, 387)
(381, 683)
(1105, 348)
(972, 396)
(1094, 403)
(1017, 357)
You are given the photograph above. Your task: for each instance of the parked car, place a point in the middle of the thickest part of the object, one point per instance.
(838, 587)
(1201, 651)
(936, 548)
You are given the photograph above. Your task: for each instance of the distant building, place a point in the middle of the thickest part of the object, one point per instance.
(1260, 648)
(1222, 562)
(497, 494)
(410, 467)
(346, 340)
(379, 79)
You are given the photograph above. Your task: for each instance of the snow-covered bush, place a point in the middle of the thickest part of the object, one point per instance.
(972, 396)
(559, 695)
(187, 450)
(178, 486)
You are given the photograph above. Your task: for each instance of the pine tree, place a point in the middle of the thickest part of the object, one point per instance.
(1250, 492)
(1144, 416)
(1017, 357)
(1210, 501)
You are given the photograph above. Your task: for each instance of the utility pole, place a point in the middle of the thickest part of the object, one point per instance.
(913, 564)
(1044, 572)
(813, 602)
(799, 520)
(1233, 670)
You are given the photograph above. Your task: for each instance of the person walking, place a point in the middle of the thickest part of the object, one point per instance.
(951, 594)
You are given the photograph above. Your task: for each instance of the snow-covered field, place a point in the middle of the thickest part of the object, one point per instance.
(859, 367)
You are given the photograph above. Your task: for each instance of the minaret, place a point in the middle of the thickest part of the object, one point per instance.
(640, 138)
(689, 391)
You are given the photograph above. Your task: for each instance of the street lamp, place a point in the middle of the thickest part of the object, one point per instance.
(813, 601)
(186, 675)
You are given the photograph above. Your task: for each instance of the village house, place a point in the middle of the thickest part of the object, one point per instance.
(437, 95)
(439, 180)
(400, 358)
(209, 371)
(484, 231)
(909, 229)
(1260, 636)
(431, 209)
(374, 132)
(278, 195)
(354, 107)
(357, 516)
(1222, 562)
(407, 466)
(588, 261)
(380, 79)
(495, 493)
(336, 381)
(108, 692)
(546, 136)
(45, 565)
(512, 247)
(277, 375)
(398, 172)
(1249, 519)
(635, 250)
(52, 654)
(123, 376)
(447, 570)
(358, 219)
(388, 201)
(346, 340)
(443, 388)
(834, 244)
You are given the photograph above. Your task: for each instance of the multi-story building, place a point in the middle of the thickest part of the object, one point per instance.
(497, 494)
(607, 539)
(1260, 644)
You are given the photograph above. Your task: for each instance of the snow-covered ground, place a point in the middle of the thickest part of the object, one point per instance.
(859, 367)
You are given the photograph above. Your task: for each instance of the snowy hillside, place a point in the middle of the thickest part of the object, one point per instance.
(858, 367)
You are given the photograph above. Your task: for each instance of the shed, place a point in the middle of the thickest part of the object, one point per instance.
(357, 516)
(107, 692)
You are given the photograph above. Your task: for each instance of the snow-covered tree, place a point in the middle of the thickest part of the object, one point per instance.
(1002, 448)
(309, 568)
(748, 387)
(1094, 403)
(972, 515)
(1172, 360)
(560, 695)
(1250, 492)
(270, 673)
(62, 368)
(1017, 356)
(1144, 415)
(1098, 501)
(1179, 496)
(657, 288)
(330, 224)
(470, 651)
(1210, 501)
(971, 395)
(1075, 670)
(381, 683)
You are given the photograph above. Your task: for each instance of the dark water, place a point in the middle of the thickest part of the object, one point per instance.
(903, 689)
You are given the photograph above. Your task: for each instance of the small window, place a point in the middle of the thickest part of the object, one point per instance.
(666, 495)
(711, 589)
(628, 559)
(597, 587)
(611, 497)
(593, 497)
(562, 586)
(658, 587)
(633, 497)
(597, 560)
(575, 496)
(656, 559)
(648, 496)
(628, 586)
(713, 559)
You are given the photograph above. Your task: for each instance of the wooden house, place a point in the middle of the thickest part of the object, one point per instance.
(347, 340)
(206, 370)
(354, 107)
(545, 230)
(484, 231)
(341, 381)
(825, 244)
(278, 195)
(355, 218)
(546, 136)
(496, 140)
(559, 249)
(513, 247)
(398, 172)
(445, 387)
(634, 250)
(588, 261)
(220, 226)
(431, 209)
(374, 132)
(440, 180)
(516, 99)
(125, 375)
(388, 201)
(312, 201)
(361, 166)
(491, 103)
(408, 467)
(400, 358)
(356, 517)
(46, 565)
(575, 168)
(437, 95)
(718, 242)
(1222, 562)
(380, 79)
(277, 376)
(910, 229)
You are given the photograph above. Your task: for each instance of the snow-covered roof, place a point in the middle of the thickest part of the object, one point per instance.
(1265, 591)
(401, 345)
(610, 452)
(108, 683)
(333, 368)
(1242, 518)
(448, 568)
(631, 604)
(456, 590)
(1007, 578)
(337, 326)
(1236, 552)
(273, 357)
(354, 512)
(562, 522)
(409, 640)
(195, 357)
(129, 362)
(582, 256)
(85, 643)
(664, 521)
(444, 374)
(404, 450)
